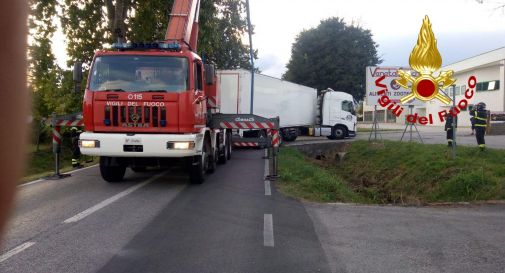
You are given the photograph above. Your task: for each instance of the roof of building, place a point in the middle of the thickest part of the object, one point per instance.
(482, 60)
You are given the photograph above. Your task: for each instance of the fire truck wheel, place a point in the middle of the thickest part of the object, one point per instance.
(196, 170)
(201, 164)
(213, 161)
(139, 169)
(223, 155)
(228, 145)
(109, 173)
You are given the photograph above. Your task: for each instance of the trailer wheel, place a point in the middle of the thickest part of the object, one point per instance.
(109, 173)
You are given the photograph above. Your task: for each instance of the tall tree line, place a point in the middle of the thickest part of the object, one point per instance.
(90, 25)
(334, 54)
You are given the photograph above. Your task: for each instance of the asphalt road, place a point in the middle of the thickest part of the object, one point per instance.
(429, 135)
(432, 135)
(228, 224)
(409, 239)
(235, 222)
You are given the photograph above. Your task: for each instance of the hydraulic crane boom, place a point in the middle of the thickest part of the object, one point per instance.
(183, 24)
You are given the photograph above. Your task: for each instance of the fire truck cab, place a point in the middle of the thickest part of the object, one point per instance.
(145, 104)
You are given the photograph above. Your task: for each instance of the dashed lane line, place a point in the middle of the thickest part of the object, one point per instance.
(268, 189)
(268, 230)
(16, 250)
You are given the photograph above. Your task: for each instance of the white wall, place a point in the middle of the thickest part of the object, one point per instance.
(493, 70)
(495, 100)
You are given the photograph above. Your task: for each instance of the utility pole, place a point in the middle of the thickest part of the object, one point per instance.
(454, 122)
(252, 55)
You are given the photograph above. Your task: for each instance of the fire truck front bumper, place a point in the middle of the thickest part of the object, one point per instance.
(140, 145)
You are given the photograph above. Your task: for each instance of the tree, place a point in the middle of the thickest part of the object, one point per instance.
(50, 85)
(95, 24)
(333, 55)
(42, 68)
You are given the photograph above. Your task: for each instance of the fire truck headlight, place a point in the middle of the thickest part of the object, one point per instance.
(181, 145)
(89, 143)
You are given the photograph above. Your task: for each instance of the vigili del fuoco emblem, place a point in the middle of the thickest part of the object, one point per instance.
(425, 59)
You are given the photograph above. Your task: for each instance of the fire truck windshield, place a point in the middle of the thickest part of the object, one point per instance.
(137, 73)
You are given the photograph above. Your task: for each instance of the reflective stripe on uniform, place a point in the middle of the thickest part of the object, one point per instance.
(480, 118)
(480, 125)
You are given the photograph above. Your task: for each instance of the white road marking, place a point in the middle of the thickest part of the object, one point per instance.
(268, 190)
(111, 200)
(42, 180)
(31, 183)
(268, 230)
(15, 251)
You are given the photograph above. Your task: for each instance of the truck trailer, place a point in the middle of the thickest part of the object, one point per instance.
(329, 113)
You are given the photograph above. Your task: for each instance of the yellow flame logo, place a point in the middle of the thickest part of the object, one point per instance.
(425, 59)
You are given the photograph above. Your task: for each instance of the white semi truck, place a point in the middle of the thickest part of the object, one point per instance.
(331, 113)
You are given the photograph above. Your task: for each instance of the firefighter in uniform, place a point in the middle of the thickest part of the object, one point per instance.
(472, 119)
(76, 152)
(448, 127)
(480, 115)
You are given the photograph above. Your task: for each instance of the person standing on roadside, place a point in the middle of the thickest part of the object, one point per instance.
(76, 151)
(472, 119)
(448, 127)
(480, 116)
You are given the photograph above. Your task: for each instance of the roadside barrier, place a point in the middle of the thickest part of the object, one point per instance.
(273, 151)
(253, 122)
(245, 144)
(72, 120)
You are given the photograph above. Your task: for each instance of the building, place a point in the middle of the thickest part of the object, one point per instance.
(488, 68)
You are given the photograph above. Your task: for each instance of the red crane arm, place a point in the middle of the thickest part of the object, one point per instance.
(183, 24)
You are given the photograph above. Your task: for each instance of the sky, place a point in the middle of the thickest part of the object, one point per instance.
(463, 28)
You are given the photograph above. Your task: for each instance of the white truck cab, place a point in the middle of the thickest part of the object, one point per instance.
(337, 115)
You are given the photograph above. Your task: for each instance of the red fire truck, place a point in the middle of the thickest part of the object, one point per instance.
(152, 104)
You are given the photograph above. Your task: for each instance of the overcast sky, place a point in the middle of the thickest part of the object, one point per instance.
(463, 28)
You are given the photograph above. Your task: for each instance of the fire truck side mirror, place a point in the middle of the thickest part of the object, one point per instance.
(210, 72)
(77, 72)
(77, 76)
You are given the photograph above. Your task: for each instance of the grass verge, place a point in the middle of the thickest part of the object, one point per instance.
(41, 162)
(304, 179)
(395, 172)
